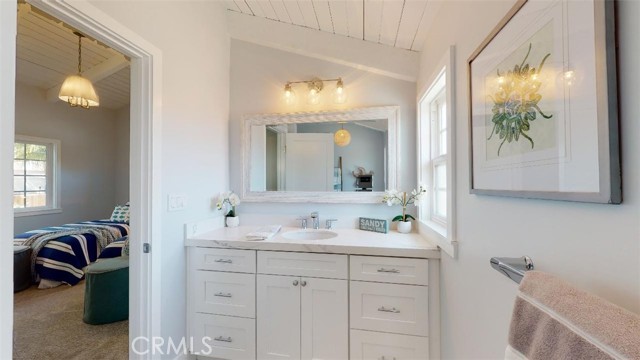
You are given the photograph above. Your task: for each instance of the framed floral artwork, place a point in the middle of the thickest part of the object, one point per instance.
(543, 104)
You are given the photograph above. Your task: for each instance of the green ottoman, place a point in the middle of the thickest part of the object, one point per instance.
(21, 267)
(106, 294)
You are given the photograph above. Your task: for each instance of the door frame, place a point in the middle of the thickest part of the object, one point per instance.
(145, 162)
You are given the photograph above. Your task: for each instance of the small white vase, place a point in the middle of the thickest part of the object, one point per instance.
(404, 227)
(233, 221)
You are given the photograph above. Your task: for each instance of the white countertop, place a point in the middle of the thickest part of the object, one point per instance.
(348, 241)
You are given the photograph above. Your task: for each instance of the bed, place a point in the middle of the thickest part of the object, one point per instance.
(61, 253)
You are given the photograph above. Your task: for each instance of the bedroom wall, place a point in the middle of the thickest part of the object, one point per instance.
(192, 36)
(596, 247)
(121, 144)
(88, 156)
(258, 75)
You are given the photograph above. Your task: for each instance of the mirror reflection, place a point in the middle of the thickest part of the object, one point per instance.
(344, 156)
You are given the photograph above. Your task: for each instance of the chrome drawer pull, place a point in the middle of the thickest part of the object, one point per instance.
(225, 261)
(224, 339)
(392, 310)
(393, 271)
(221, 294)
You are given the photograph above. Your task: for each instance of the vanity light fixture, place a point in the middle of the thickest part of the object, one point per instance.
(77, 90)
(314, 87)
(342, 137)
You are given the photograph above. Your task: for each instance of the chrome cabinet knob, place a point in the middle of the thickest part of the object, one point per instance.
(303, 283)
(295, 282)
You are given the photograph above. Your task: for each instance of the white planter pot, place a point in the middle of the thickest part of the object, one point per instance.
(233, 221)
(404, 227)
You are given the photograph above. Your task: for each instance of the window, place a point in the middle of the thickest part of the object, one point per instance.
(35, 169)
(435, 154)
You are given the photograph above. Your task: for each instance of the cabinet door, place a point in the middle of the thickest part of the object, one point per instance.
(278, 317)
(324, 319)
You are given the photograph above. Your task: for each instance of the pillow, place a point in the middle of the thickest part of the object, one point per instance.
(120, 214)
(125, 248)
(116, 249)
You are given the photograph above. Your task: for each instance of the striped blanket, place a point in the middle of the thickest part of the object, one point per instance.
(61, 253)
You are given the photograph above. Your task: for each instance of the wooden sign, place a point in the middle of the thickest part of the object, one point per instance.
(375, 225)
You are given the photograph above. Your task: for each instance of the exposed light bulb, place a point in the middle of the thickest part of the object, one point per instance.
(289, 95)
(340, 95)
(314, 96)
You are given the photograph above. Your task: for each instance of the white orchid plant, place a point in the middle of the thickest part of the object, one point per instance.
(394, 197)
(228, 200)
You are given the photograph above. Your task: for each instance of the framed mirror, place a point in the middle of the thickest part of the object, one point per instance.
(346, 156)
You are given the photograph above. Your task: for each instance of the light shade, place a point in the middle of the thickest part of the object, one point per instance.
(339, 94)
(78, 91)
(342, 137)
(289, 95)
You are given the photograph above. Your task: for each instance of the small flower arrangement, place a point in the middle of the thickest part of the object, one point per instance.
(393, 197)
(228, 200)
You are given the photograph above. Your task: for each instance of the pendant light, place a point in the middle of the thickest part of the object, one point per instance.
(77, 90)
(342, 137)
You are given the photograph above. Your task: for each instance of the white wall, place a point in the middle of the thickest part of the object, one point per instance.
(192, 36)
(258, 76)
(596, 247)
(122, 156)
(88, 156)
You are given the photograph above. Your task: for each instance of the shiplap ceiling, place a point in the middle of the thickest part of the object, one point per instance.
(47, 52)
(398, 23)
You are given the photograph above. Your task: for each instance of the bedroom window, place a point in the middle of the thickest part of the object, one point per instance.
(36, 164)
(436, 146)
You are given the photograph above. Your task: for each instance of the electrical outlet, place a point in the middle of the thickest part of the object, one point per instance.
(176, 202)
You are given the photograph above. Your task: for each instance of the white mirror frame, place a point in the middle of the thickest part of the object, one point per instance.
(390, 113)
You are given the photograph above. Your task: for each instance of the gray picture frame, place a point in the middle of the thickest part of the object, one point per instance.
(610, 177)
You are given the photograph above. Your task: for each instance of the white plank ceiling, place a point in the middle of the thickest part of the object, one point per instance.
(47, 52)
(399, 23)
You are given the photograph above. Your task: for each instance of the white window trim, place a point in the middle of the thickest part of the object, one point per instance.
(55, 159)
(443, 236)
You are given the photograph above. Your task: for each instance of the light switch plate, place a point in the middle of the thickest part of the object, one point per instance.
(176, 202)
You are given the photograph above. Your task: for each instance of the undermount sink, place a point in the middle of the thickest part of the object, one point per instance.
(309, 234)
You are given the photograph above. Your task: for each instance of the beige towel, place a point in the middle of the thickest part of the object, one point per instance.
(553, 320)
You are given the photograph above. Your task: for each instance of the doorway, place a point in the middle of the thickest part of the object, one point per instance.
(144, 286)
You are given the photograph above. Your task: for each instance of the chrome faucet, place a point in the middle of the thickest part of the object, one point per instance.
(315, 217)
(329, 223)
(303, 222)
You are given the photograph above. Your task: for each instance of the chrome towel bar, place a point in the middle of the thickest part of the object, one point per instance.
(513, 268)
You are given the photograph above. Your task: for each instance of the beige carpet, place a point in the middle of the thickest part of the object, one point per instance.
(48, 325)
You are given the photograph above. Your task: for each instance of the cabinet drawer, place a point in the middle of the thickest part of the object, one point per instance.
(367, 345)
(401, 309)
(303, 264)
(224, 337)
(243, 261)
(224, 293)
(390, 270)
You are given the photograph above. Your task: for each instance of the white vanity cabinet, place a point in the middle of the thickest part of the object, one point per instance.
(221, 300)
(269, 304)
(303, 303)
(388, 308)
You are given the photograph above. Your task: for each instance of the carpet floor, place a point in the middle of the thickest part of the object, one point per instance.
(48, 325)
